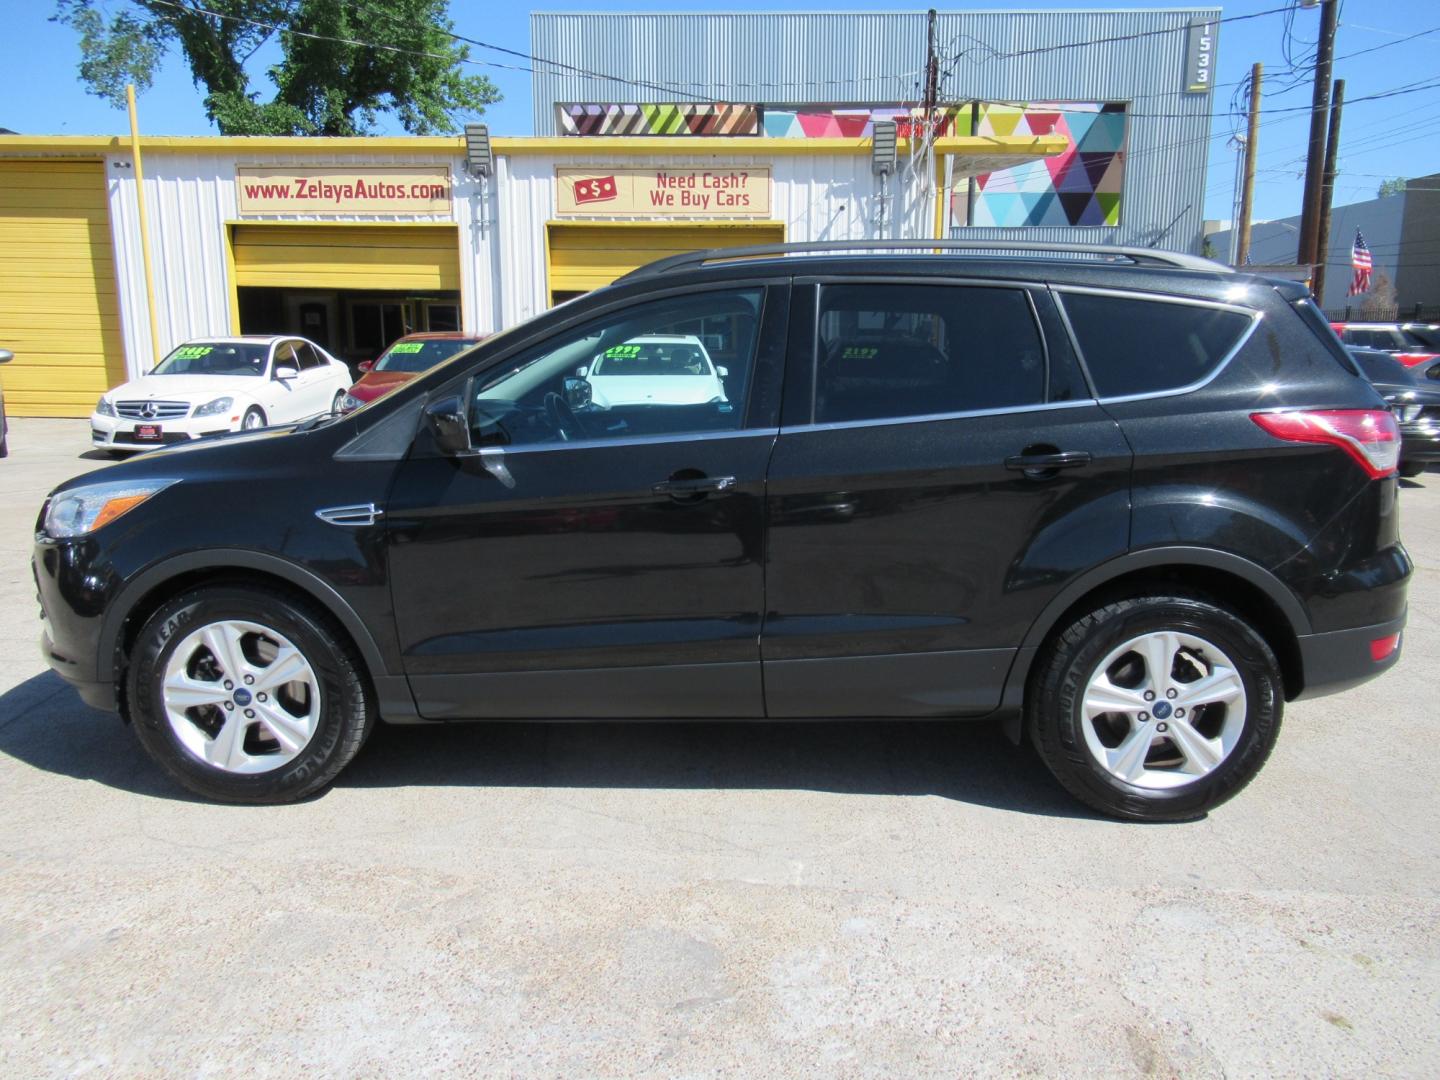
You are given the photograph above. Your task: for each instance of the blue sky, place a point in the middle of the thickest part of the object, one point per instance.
(1398, 136)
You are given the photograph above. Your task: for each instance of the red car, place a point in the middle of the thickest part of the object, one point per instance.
(402, 361)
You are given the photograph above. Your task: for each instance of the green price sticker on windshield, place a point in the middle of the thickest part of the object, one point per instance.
(407, 347)
(859, 352)
(620, 351)
(193, 352)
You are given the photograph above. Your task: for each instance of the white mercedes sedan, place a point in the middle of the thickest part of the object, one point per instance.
(217, 385)
(658, 369)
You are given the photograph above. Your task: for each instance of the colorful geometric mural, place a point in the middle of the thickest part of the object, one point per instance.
(663, 119)
(1081, 186)
(858, 123)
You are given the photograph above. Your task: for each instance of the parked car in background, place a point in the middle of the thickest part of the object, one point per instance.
(1415, 403)
(214, 385)
(402, 361)
(664, 371)
(1412, 343)
(5, 357)
(938, 485)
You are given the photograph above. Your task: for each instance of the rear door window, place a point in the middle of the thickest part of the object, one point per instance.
(888, 351)
(1132, 345)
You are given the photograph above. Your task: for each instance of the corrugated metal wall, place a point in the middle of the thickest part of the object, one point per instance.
(815, 198)
(853, 58)
(191, 200)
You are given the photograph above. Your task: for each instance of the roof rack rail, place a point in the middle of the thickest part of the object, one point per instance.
(1137, 255)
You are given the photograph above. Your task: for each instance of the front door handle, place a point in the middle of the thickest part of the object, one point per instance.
(1060, 459)
(685, 487)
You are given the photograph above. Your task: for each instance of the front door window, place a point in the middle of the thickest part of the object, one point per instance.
(669, 367)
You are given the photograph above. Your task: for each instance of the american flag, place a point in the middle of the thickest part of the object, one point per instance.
(1363, 264)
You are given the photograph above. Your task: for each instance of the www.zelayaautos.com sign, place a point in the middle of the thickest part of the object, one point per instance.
(343, 190)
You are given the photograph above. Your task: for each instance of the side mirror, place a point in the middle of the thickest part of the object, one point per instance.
(578, 393)
(366, 365)
(6, 356)
(446, 419)
(723, 372)
(285, 371)
(582, 371)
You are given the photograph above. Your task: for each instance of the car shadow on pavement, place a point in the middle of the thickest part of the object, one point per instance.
(44, 723)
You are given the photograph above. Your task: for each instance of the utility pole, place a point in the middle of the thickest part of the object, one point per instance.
(1247, 189)
(932, 69)
(1324, 63)
(1327, 189)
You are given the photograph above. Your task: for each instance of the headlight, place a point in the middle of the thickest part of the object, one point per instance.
(210, 408)
(104, 408)
(82, 510)
(350, 404)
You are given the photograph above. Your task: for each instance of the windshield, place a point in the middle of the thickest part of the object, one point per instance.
(1422, 337)
(651, 358)
(416, 356)
(216, 358)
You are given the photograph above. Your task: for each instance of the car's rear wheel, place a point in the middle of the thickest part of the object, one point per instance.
(245, 695)
(253, 420)
(1156, 708)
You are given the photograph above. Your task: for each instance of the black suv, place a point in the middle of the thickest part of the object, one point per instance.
(1127, 502)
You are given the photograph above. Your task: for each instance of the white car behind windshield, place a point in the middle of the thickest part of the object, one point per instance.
(655, 370)
(216, 385)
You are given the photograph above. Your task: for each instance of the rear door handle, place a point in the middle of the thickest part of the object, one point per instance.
(695, 485)
(1061, 459)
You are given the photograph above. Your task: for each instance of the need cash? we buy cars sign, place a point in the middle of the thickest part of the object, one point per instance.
(657, 192)
(397, 190)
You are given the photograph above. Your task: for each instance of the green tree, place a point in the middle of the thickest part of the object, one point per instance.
(321, 85)
(1390, 187)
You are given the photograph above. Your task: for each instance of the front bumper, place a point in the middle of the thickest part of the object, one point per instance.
(72, 601)
(119, 432)
(1341, 659)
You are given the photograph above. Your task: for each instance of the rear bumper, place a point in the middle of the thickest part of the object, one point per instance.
(1341, 659)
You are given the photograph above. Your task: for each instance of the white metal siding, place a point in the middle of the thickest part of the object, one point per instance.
(191, 198)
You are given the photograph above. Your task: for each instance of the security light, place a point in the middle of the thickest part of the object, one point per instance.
(882, 147)
(478, 158)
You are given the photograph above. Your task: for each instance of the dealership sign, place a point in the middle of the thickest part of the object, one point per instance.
(654, 192)
(1201, 39)
(344, 190)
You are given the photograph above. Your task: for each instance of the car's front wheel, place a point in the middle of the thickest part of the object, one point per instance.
(253, 420)
(338, 401)
(1156, 708)
(246, 695)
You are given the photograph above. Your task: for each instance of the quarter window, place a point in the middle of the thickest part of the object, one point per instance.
(914, 350)
(1137, 346)
(668, 367)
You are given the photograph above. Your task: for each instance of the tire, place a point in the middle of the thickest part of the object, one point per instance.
(4, 433)
(253, 766)
(253, 420)
(1412, 469)
(1168, 783)
(335, 405)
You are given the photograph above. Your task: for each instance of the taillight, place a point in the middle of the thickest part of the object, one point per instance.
(1370, 436)
(1414, 359)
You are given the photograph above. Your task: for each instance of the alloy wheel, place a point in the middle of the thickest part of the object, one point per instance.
(1163, 710)
(241, 697)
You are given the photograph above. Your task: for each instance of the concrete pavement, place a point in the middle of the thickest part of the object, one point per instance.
(699, 900)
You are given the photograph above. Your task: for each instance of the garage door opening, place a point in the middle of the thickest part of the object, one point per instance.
(354, 326)
(585, 257)
(352, 288)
